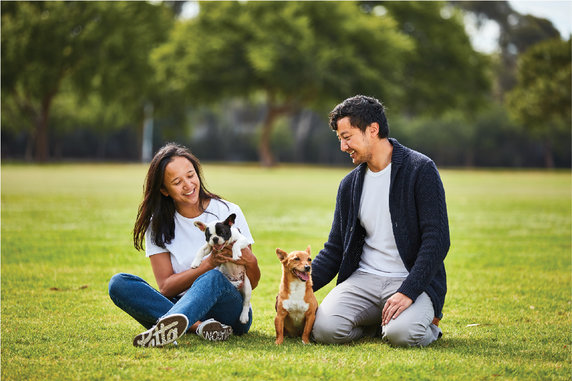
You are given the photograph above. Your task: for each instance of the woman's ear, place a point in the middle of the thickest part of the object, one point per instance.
(164, 192)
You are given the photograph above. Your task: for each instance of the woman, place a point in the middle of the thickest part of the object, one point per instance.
(174, 198)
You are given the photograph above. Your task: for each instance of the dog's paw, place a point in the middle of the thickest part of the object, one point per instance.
(279, 340)
(244, 317)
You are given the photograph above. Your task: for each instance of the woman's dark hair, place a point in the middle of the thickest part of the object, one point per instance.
(362, 111)
(157, 211)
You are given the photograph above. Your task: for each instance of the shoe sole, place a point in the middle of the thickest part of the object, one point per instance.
(166, 331)
(215, 331)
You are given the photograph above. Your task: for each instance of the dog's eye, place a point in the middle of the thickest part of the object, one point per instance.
(309, 259)
(296, 259)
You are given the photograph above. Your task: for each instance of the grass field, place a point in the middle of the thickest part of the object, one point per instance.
(66, 229)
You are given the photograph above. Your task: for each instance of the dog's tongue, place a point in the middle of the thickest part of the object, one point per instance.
(302, 276)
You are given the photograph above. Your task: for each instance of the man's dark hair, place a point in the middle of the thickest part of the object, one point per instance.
(362, 111)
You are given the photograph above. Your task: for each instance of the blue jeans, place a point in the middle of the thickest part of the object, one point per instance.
(210, 296)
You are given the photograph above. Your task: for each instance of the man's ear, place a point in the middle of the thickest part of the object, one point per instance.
(373, 129)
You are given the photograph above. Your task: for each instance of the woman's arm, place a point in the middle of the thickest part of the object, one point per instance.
(248, 260)
(171, 284)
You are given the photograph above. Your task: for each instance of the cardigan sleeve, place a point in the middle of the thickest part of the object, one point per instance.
(434, 231)
(327, 263)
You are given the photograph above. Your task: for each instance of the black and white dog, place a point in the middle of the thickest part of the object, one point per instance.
(219, 235)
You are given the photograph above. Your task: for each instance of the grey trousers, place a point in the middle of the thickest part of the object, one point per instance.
(353, 310)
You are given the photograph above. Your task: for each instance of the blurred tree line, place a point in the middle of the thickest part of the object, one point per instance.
(254, 81)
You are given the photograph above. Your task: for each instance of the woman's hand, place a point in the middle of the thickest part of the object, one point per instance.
(217, 258)
(248, 260)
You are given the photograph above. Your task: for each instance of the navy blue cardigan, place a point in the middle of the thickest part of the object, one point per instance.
(420, 226)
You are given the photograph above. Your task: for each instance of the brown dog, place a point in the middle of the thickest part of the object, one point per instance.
(296, 303)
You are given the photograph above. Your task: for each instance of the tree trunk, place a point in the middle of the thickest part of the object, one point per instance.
(265, 150)
(302, 132)
(548, 155)
(30, 144)
(41, 139)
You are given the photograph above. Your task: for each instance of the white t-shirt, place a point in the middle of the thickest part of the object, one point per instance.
(380, 255)
(189, 238)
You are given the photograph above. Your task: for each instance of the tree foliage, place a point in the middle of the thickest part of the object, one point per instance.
(443, 72)
(95, 46)
(82, 72)
(518, 32)
(293, 54)
(542, 100)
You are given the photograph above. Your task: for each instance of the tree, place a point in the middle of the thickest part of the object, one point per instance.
(517, 33)
(443, 72)
(90, 46)
(292, 54)
(445, 78)
(542, 100)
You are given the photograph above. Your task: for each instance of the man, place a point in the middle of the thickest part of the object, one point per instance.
(388, 240)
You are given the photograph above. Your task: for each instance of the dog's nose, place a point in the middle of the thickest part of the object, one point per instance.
(215, 239)
(307, 268)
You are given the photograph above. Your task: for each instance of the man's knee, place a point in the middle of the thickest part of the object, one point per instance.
(404, 334)
(330, 330)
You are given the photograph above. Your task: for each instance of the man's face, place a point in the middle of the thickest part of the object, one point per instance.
(353, 141)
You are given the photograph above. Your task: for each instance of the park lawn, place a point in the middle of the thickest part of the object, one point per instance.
(66, 229)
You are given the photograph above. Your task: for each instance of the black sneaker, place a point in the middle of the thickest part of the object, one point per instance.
(166, 331)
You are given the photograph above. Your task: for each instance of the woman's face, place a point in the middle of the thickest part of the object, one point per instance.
(181, 182)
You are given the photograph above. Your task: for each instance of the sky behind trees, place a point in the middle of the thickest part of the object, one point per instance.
(484, 39)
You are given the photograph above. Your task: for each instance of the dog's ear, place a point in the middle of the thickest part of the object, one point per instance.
(200, 225)
(308, 250)
(281, 254)
(230, 220)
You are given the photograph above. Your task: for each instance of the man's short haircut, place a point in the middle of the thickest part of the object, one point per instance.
(362, 111)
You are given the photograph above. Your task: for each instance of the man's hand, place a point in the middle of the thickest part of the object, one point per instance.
(394, 306)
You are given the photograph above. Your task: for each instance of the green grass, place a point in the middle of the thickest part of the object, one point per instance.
(66, 229)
